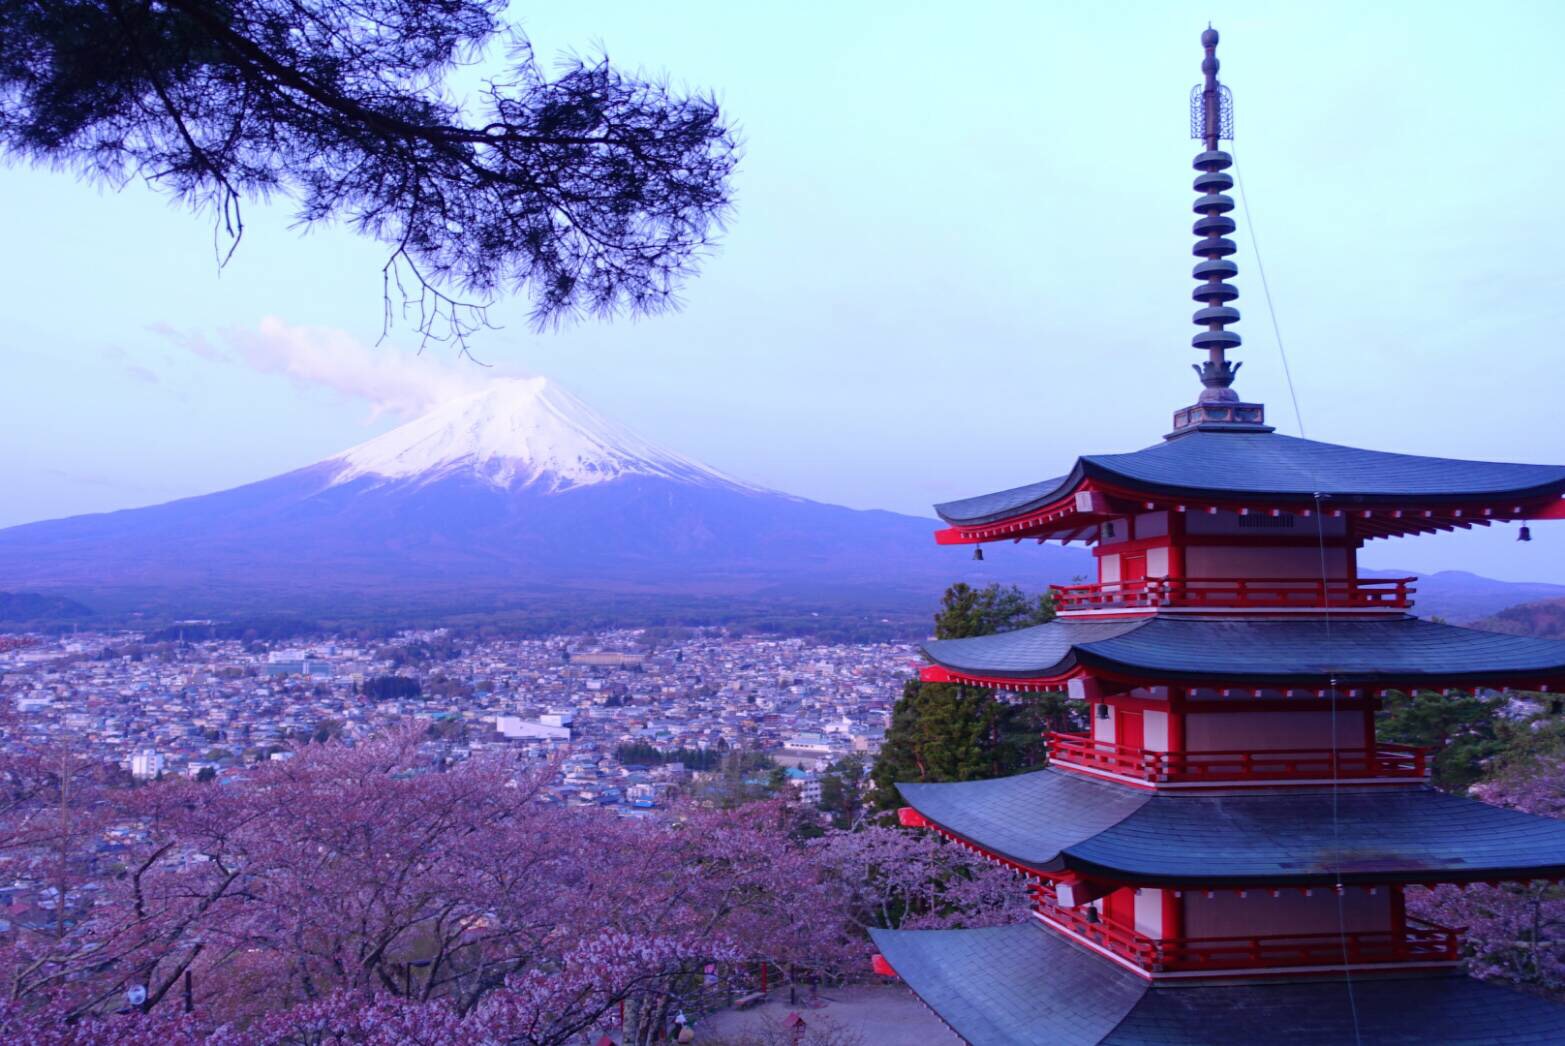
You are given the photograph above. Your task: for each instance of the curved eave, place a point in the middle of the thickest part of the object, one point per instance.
(1023, 683)
(1028, 820)
(1315, 654)
(1374, 516)
(1317, 681)
(1286, 475)
(1513, 500)
(1025, 986)
(1049, 822)
(1012, 985)
(1011, 504)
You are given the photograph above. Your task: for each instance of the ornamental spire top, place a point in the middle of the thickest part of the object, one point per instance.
(1212, 121)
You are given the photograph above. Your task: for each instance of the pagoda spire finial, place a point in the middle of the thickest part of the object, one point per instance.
(1211, 121)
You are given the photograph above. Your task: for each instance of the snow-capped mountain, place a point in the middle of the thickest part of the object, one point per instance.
(519, 432)
(518, 498)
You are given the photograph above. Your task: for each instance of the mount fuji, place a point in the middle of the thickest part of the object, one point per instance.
(518, 498)
(519, 433)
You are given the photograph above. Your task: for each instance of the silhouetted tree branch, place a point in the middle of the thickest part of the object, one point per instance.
(592, 192)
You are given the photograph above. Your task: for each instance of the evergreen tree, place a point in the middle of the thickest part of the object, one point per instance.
(1462, 729)
(591, 189)
(841, 791)
(944, 732)
(1474, 737)
(966, 611)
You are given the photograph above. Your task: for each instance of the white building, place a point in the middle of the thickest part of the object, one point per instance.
(146, 764)
(515, 728)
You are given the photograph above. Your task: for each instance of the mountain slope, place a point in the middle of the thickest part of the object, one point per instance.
(521, 498)
(519, 432)
(516, 495)
(1459, 596)
(1545, 620)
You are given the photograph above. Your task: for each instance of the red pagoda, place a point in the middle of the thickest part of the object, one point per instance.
(1225, 856)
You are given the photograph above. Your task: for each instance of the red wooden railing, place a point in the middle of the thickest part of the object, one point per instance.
(1374, 593)
(1384, 760)
(1421, 942)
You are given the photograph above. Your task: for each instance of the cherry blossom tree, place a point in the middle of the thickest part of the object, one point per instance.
(1515, 932)
(54, 806)
(368, 894)
(897, 878)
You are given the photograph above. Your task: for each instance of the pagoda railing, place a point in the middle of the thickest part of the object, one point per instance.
(1376, 593)
(1383, 760)
(1420, 942)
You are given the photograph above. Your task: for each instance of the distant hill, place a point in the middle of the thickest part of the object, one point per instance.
(520, 506)
(518, 502)
(1545, 620)
(1460, 597)
(33, 608)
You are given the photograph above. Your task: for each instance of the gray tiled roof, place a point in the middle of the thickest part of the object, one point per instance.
(1402, 650)
(1268, 464)
(1025, 651)
(1051, 820)
(1030, 818)
(1025, 986)
(1012, 984)
(1452, 1010)
(986, 508)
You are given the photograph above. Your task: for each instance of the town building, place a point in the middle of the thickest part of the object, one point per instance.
(1225, 856)
(146, 764)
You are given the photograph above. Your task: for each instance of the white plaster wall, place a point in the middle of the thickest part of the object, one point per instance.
(1151, 525)
(1157, 562)
(1154, 728)
(1102, 728)
(1113, 531)
(1270, 731)
(1226, 914)
(1108, 568)
(1149, 913)
(1228, 561)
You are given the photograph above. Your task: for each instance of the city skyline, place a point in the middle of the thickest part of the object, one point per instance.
(895, 302)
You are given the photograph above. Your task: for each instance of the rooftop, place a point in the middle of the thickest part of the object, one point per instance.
(1232, 468)
(1051, 821)
(1020, 985)
(1398, 651)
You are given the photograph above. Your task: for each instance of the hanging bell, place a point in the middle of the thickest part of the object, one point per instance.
(1524, 534)
(978, 553)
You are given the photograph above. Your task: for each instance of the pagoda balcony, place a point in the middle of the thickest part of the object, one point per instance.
(1421, 943)
(1252, 594)
(1383, 761)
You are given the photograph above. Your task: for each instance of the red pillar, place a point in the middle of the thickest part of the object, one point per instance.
(1173, 926)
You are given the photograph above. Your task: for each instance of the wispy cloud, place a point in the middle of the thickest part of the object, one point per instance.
(190, 342)
(388, 379)
(128, 364)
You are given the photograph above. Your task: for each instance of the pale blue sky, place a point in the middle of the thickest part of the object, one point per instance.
(960, 257)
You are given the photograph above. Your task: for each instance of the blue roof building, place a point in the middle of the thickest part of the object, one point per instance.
(1225, 856)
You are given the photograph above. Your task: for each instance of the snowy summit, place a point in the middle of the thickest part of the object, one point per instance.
(519, 432)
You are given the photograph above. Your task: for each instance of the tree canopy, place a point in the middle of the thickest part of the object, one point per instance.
(592, 191)
(373, 894)
(941, 732)
(967, 611)
(389, 688)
